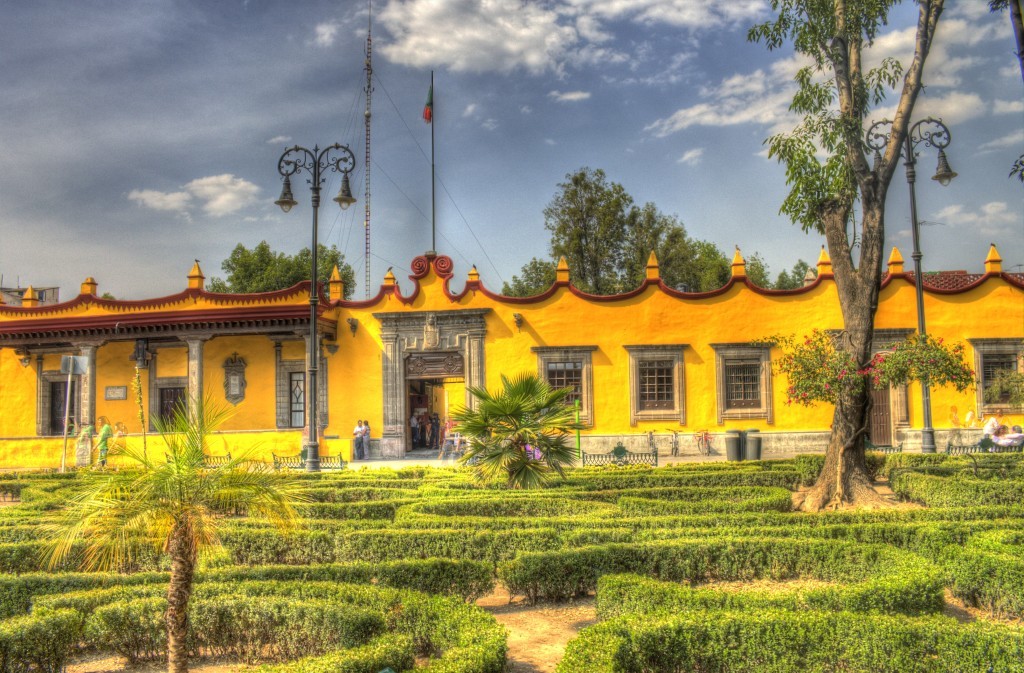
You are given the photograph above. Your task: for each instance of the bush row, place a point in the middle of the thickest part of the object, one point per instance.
(465, 579)
(778, 641)
(957, 491)
(789, 478)
(901, 582)
(619, 595)
(989, 573)
(759, 499)
(40, 643)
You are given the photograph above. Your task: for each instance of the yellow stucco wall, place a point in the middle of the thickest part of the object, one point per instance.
(995, 309)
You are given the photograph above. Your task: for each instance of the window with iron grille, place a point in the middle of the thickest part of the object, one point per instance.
(992, 356)
(567, 374)
(992, 365)
(570, 367)
(297, 399)
(742, 384)
(743, 381)
(655, 381)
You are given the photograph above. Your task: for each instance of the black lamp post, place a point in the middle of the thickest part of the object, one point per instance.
(932, 133)
(316, 162)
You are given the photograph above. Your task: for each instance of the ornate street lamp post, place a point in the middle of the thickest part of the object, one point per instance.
(316, 162)
(932, 133)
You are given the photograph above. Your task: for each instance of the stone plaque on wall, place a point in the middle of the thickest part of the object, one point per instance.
(115, 393)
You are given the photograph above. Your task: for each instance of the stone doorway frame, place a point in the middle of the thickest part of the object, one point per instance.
(404, 333)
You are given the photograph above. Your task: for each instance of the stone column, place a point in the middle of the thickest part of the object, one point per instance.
(476, 374)
(87, 383)
(195, 368)
(392, 441)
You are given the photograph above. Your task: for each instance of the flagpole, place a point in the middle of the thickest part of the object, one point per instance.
(433, 211)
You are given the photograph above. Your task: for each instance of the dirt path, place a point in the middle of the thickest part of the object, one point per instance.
(537, 634)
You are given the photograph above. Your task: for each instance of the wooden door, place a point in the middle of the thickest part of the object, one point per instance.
(881, 418)
(58, 400)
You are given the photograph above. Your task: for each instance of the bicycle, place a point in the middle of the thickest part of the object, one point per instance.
(703, 438)
(675, 441)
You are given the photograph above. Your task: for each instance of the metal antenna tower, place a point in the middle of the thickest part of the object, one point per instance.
(369, 95)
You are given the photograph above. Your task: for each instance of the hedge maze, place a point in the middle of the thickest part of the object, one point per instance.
(695, 567)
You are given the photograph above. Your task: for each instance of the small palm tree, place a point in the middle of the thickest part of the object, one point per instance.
(520, 434)
(176, 504)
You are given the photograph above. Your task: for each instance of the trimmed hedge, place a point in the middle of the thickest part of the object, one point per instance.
(783, 641)
(897, 581)
(956, 491)
(989, 573)
(40, 643)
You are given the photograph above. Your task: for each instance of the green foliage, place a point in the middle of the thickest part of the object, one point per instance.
(519, 435)
(263, 270)
(1006, 386)
(41, 643)
(922, 358)
(817, 369)
(536, 276)
(820, 370)
(780, 640)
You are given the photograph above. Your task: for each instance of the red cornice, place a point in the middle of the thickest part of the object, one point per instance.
(1014, 279)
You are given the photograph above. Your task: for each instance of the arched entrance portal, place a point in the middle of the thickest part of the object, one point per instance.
(435, 386)
(427, 352)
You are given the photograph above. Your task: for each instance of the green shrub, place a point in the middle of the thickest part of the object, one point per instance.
(134, 629)
(41, 642)
(777, 641)
(392, 650)
(989, 573)
(956, 491)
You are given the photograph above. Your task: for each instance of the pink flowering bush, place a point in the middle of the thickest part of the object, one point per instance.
(820, 371)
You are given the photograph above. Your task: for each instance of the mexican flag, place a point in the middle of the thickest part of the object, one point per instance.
(428, 109)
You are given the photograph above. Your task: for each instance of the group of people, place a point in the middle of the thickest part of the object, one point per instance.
(107, 438)
(361, 440)
(426, 430)
(1001, 434)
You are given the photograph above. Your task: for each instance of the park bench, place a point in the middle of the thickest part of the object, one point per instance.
(883, 448)
(621, 456)
(216, 461)
(298, 463)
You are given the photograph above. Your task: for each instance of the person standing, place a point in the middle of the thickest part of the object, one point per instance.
(102, 442)
(366, 440)
(414, 429)
(357, 441)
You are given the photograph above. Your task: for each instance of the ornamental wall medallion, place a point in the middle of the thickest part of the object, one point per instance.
(431, 337)
(234, 379)
(434, 365)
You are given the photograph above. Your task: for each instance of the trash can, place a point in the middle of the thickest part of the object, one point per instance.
(752, 445)
(733, 447)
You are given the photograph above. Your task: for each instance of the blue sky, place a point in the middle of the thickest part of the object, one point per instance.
(137, 136)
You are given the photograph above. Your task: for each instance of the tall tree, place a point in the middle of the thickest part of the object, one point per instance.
(587, 219)
(791, 280)
(177, 503)
(536, 276)
(1016, 8)
(834, 98)
(263, 270)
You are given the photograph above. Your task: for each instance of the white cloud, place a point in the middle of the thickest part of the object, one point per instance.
(1008, 106)
(525, 109)
(549, 141)
(691, 157)
(490, 124)
(167, 201)
(692, 14)
(569, 96)
(992, 219)
(223, 194)
(470, 109)
(481, 36)
(325, 34)
(279, 140)
(220, 194)
(1010, 140)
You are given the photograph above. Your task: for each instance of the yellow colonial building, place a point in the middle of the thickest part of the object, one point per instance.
(653, 359)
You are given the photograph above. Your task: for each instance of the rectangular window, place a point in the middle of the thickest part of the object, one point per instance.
(742, 384)
(567, 374)
(297, 399)
(743, 381)
(992, 356)
(58, 402)
(655, 381)
(569, 367)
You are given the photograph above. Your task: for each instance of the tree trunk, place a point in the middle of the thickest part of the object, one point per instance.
(183, 561)
(844, 479)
